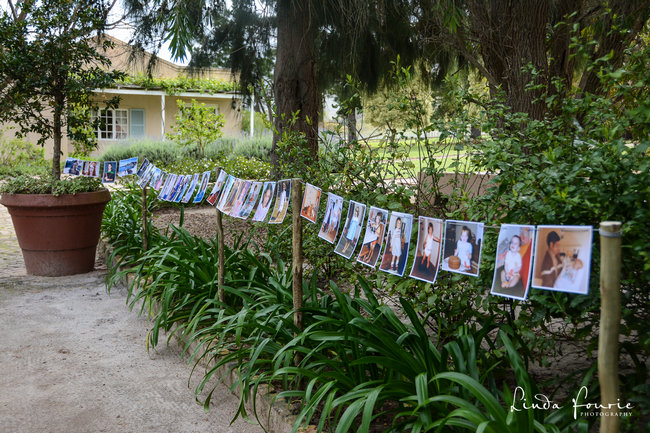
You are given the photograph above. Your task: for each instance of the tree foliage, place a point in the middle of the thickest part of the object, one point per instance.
(197, 124)
(49, 62)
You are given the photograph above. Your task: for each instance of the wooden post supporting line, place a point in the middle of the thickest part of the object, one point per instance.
(610, 318)
(296, 204)
(221, 266)
(145, 241)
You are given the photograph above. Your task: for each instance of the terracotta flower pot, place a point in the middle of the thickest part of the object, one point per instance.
(58, 235)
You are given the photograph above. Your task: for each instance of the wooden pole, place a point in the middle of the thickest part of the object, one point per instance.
(296, 203)
(610, 318)
(221, 266)
(145, 241)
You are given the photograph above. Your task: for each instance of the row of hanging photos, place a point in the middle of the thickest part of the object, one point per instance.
(550, 257)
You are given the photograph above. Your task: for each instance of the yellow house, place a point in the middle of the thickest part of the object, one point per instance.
(148, 108)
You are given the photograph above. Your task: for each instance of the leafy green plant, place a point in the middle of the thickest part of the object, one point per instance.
(18, 156)
(196, 124)
(176, 85)
(36, 185)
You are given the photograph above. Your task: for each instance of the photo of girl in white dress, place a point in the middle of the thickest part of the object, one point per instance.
(427, 251)
(331, 222)
(397, 243)
(351, 230)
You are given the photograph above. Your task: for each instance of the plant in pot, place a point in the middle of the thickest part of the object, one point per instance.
(51, 59)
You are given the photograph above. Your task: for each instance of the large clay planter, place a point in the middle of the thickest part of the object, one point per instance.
(58, 235)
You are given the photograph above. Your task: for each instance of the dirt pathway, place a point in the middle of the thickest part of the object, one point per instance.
(73, 359)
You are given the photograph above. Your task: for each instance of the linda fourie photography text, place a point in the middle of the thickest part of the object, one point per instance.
(541, 401)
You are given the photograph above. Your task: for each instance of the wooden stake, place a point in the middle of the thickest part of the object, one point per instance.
(145, 242)
(296, 204)
(610, 318)
(221, 266)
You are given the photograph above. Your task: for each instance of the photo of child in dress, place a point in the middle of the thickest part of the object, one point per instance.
(563, 258)
(109, 172)
(265, 202)
(227, 190)
(251, 199)
(191, 188)
(373, 239)
(127, 166)
(427, 251)
(512, 265)
(310, 203)
(351, 230)
(330, 227)
(281, 202)
(216, 189)
(398, 240)
(462, 248)
(205, 178)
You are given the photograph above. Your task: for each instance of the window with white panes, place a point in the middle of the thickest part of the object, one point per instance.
(113, 124)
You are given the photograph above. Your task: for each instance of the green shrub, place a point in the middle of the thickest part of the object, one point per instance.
(46, 185)
(261, 124)
(18, 157)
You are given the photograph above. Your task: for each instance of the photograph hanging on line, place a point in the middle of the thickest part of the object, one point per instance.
(462, 247)
(146, 176)
(71, 166)
(427, 250)
(109, 171)
(182, 186)
(127, 166)
(265, 203)
(331, 222)
(240, 199)
(563, 258)
(85, 168)
(226, 191)
(251, 199)
(515, 248)
(282, 200)
(351, 230)
(171, 182)
(205, 178)
(216, 189)
(373, 238)
(398, 240)
(167, 186)
(310, 202)
(191, 189)
(156, 178)
(143, 167)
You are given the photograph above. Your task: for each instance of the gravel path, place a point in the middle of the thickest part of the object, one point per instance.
(74, 360)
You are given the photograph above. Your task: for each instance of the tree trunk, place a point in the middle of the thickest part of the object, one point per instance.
(352, 125)
(512, 36)
(295, 83)
(57, 126)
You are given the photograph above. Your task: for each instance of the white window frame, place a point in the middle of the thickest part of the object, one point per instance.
(109, 132)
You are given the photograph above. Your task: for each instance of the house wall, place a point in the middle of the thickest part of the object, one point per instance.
(151, 104)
